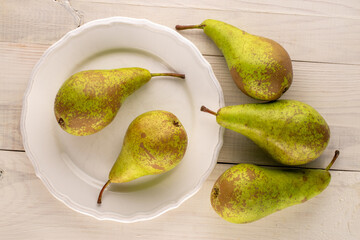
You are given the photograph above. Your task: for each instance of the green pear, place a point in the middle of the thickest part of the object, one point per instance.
(154, 143)
(292, 132)
(89, 100)
(245, 193)
(260, 67)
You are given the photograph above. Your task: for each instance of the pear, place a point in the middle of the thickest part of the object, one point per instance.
(89, 100)
(260, 67)
(291, 132)
(245, 193)
(154, 143)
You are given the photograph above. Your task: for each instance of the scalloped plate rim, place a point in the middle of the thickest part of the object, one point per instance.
(66, 199)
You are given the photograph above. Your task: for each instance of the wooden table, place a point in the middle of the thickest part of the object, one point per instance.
(323, 40)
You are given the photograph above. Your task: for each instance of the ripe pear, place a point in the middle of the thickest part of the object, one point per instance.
(291, 132)
(260, 67)
(154, 143)
(89, 100)
(246, 192)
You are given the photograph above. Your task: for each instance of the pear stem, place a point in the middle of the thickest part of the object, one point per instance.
(184, 27)
(179, 75)
(205, 109)
(337, 152)
(101, 192)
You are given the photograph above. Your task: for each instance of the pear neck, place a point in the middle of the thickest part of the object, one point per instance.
(229, 39)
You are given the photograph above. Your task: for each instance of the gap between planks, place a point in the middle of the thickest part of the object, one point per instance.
(44, 47)
(292, 167)
(229, 163)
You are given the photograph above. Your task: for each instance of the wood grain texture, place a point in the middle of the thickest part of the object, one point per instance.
(30, 212)
(16, 64)
(305, 37)
(332, 8)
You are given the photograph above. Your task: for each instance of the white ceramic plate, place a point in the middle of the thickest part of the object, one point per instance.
(75, 168)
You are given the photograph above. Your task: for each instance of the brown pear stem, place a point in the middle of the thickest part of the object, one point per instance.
(101, 192)
(184, 27)
(337, 152)
(205, 109)
(179, 75)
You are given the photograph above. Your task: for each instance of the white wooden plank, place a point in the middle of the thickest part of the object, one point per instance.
(10, 137)
(16, 64)
(307, 38)
(35, 21)
(333, 8)
(30, 212)
(332, 89)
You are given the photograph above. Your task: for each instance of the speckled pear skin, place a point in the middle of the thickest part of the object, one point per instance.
(89, 100)
(155, 142)
(260, 67)
(292, 132)
(246, 192)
